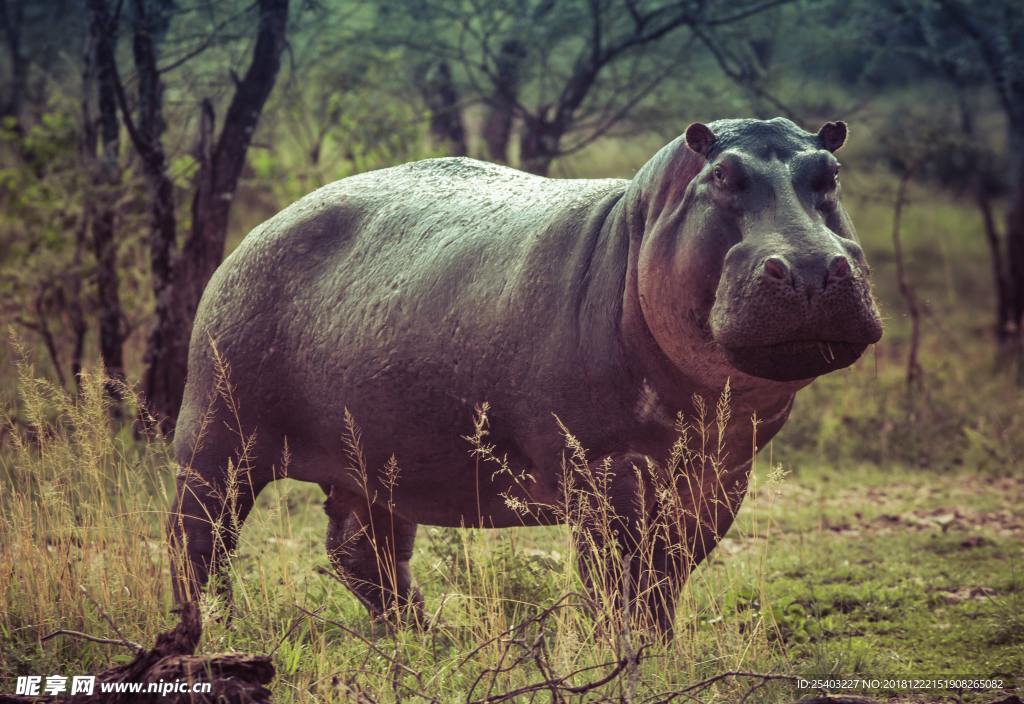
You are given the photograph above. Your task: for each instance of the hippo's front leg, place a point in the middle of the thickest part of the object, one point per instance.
(628, 561)
(204, 524)
(638, 536)
(370, 548)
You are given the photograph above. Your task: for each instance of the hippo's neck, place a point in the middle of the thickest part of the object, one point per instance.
(664, 388)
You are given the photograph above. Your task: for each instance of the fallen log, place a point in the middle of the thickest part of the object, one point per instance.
(233, 678)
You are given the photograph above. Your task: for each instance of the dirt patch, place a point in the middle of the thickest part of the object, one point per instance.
(1002, 522)
(963, 594)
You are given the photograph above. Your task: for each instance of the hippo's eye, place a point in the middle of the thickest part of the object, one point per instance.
(719, 174)
(830, 180)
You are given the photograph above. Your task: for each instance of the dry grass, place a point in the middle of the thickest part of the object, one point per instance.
(81, 539)
(82, 515)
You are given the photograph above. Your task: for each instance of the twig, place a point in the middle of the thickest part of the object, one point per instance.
(110, 621)
(765, 676)
(558, 683)
(689, 691)
(561, 603)
(95, 639)
(366, 641)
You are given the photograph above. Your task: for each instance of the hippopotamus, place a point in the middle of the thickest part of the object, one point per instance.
(388, 306)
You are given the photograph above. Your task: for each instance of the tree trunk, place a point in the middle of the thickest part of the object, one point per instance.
(983, 193)
(148, 139)
(76, 313)
(1000, 280)
(442, 99)
(103, 36)
(497, 128)
(1015, 240)
(150, 131)
(43, 328)
(11, 19)
(538, 145)
(217, 180)
(497, 132)
(87, 154)
(169, 339)
(914, 371)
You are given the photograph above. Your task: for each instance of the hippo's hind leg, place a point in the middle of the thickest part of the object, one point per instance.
(370, 548)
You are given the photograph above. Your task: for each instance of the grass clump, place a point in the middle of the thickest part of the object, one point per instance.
(81, 542)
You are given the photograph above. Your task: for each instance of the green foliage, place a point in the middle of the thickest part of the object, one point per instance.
(344, 106)
(964, 418)
(47, 188)
(42, 192)
(527, 576)
(41, 172)
(364, 126)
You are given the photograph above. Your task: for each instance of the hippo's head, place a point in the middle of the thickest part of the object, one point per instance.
(747, 252)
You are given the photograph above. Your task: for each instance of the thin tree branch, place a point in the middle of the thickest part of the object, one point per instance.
(95, 639)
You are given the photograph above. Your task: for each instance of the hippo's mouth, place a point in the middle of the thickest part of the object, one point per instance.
(794, 360)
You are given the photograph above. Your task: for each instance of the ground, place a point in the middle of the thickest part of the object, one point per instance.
(854, 572)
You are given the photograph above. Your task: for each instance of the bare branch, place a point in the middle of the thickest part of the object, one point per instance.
(726, 63)
(95, 639)
(747, 13)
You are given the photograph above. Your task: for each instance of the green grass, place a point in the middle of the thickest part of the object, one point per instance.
(881, 564)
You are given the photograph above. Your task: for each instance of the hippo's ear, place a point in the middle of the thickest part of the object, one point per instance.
(832, 135)
(699, 138)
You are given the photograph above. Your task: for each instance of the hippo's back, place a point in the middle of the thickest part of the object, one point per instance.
(400, 294)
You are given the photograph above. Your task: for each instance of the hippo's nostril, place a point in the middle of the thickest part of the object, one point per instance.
(776, 268)
(839, 268)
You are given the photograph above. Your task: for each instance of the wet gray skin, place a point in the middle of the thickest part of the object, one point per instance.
(409, 295)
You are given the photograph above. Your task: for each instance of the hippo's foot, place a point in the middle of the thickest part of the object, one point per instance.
(370, 548)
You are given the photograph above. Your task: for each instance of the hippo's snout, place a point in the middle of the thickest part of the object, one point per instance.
(776, 267)
(795, 315)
